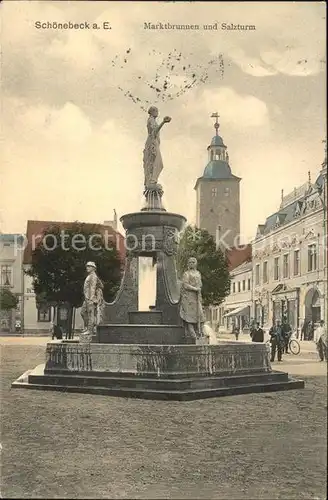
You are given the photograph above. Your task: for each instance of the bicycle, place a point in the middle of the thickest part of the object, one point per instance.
(293, 344)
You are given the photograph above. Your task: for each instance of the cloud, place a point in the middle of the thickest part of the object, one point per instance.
(299, 61)
(78, 50)
(75, 141)
(238, 111)
(250, 65)
(67, 164)
(67, 123)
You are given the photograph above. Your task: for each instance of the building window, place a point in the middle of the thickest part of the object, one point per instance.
(248, 284)
(285, 268)
(238, 286)
(234, 287)
(276, 270)
(312, 257)
(44, 315)
(244, 285)
(6, 275)
(226, 191)
(265, 272)
(296, 262)
(214, 192)
(257, 274)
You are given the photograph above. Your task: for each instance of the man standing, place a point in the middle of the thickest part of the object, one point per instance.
(277, 341)
(310, 334)
(287, 332)
(93, 299)
(257, 333)
(320, 338)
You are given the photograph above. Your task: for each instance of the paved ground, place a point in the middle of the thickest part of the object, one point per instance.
(258, 446)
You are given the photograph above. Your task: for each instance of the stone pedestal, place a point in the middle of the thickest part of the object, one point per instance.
(177, 372)
(152, 232)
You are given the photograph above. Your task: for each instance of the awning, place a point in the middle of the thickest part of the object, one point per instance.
(239, 311)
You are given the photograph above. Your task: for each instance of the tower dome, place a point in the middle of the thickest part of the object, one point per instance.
(217, 169)
(217, 141)
(218, 158)
(218, 194)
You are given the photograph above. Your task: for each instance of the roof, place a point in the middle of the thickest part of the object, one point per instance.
(217, 169)
(245, 266)
(36, 228)
(319, 181)
(238, 255)
(217, 141)
(286, 215)
(291, 206)
(294, 195)
(11, 237)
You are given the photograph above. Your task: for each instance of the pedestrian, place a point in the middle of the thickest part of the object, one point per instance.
(57, 332)
(320, 338)
(310, 333)
(287, 332)
(236, 331)
(18, 325)
(257, 333)
(276, 340)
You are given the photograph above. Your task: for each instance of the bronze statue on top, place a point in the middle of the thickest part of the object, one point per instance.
(152, 158)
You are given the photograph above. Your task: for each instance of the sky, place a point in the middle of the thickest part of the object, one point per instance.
(73, 138)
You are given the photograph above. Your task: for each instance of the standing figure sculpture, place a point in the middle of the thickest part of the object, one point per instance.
(152, 158)
(93, 302)
(191, 309)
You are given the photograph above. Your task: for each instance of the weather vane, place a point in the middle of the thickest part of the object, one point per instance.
(216, 124)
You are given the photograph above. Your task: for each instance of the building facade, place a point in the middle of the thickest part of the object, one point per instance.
(217, 195)
(11, 277)
(236, 310)
(290, 258)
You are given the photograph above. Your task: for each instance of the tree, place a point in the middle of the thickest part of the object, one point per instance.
(58, 265)
(212, 263)
(8, 300)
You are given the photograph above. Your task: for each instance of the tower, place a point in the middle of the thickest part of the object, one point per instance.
(217, 194)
